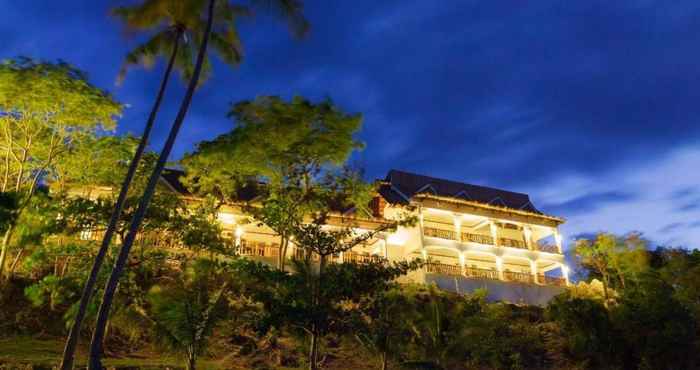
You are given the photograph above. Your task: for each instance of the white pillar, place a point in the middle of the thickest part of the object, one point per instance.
(458, 227)
(238, 233)
(527, 233)
(557, 239)
(533, 270)
(494, 232)
(462, 262)
(565, 273)
(499, 267)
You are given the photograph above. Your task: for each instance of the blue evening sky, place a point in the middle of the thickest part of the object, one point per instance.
(591, 107)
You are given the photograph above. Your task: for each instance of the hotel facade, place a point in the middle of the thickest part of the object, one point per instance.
(472, 237)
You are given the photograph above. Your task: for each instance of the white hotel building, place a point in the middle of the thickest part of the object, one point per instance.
(473, 236)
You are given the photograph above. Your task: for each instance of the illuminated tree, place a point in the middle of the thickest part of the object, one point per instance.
(217, 21)
(292, 147)
(45, 110)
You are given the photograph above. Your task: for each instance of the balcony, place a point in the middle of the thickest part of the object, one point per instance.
(252, 249)
(512, 243)
(440, 233)
(360, 258)
(548, 248)
(478, 273)
(521, 277)
(477, 238)
(551, 280)
(485, 239)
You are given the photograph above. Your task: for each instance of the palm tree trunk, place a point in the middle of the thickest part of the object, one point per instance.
(5, 247)
(108, 296)
(89, 289)
(313, 351)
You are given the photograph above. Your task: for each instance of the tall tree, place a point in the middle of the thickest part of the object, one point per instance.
(288, 146)
(615, 259)
(177, 34)
(45, 110)
(217, 26)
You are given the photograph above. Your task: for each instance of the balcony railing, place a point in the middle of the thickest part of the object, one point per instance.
(478, 273)
(551, 280)
(477, 238)
(549, 248)
(522, 277)
(253, 249)
(512, 243)
(485, 239)
(439, 233)
(353, 257)
(443, 268)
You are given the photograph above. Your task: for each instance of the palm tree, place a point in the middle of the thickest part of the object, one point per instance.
(220, 31)
(175, 20)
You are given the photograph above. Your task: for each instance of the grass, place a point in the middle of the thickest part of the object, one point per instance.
(46, 353)
(24, 352)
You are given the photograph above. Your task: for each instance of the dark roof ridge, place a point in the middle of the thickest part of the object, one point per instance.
(454, 182)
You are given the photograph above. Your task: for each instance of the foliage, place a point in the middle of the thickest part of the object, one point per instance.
(584, 336)
(296, 149)
(186, 311)
(46, 109)
(618, 261)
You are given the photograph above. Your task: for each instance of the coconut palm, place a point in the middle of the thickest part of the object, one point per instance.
(217, 28)
(176, 23)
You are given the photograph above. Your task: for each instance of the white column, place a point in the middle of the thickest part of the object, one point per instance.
(462, 261)
(565, 273)
(494, 232)
(557, 239)
(458, 227)
(238, 233)
(499, 267)
(533, 270)
(527, 233)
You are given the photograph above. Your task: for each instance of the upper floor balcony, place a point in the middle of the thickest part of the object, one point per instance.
(467, 237)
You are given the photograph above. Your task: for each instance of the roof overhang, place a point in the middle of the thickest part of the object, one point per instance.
(467, 206)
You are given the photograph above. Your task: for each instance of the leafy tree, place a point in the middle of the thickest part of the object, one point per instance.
(616, 260)
(380, 323)
(317, 302)
(659, 332)
(680, 269)
(186, 311)
(220, 15)
(437, 325)
(582, 334)
(45, 109)
(178, 32)
(291, 147)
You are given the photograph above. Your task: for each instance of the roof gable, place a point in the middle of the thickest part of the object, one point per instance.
(410, 184)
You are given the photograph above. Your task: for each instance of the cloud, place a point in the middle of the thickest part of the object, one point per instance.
(589, 203)
(656, 208)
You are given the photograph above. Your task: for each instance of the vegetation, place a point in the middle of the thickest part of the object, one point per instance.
(74, 197)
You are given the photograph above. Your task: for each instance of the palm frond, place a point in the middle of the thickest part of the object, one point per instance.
(228, 46)
(290, 11)
(161, 44)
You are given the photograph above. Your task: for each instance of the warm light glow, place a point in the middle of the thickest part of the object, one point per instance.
(239, 232)
(395, 239)
(226, 218)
